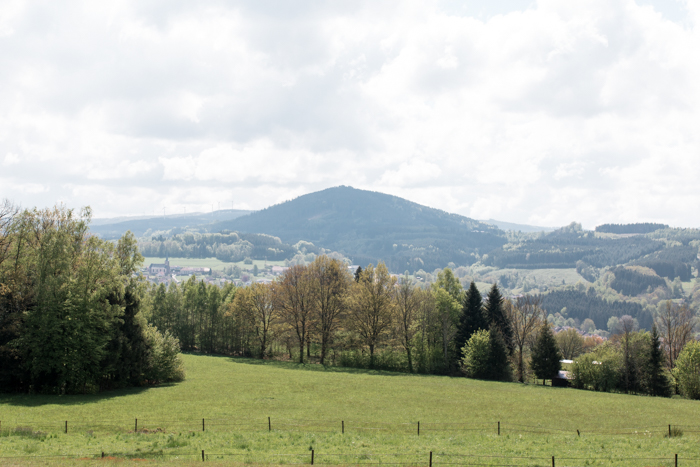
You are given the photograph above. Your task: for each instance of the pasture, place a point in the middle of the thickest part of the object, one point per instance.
(309, 406)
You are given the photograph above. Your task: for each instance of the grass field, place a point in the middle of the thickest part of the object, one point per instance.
(380, 410)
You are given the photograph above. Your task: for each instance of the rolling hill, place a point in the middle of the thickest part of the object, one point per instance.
(368, 226)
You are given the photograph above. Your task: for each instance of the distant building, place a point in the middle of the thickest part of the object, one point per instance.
(277, 270)
(160, 269)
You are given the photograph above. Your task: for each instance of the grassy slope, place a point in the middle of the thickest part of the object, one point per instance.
(246, 392)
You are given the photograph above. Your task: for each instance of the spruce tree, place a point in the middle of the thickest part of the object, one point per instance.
(546, 355)
(656, 382)
(472, 317)
(495, 315)
(498, 365)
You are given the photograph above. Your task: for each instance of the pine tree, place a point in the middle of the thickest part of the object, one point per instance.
(656, 382)
(546, 355)
(499, 367)
(472, 317)
(495, 314)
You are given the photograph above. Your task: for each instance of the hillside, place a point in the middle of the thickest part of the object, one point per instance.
(368, 227)
(143, 225)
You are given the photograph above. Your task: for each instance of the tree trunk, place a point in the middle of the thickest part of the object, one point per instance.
(371, 355)
(323, 350)
(410, 361)
(301, 351)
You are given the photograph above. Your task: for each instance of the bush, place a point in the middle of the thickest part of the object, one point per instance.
(687, 370)
(164, 363)
(598, 370)
(476, 355)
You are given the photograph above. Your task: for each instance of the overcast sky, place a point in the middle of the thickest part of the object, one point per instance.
(540, 112)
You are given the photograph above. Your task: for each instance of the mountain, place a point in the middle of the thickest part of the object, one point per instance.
(140, 225)
(368, 226)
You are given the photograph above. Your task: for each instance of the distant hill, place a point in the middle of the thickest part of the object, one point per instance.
(368, 226)
(140, 225)
(518, 227)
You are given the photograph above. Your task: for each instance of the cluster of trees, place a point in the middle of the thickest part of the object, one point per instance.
(630, 282)
(565, 247)
(582, 305)
(657, 363)
(225, 246)
(638, 228)
(70, 308)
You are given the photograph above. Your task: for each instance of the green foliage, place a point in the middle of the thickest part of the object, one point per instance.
(687, 370)
(485, 356)
(631, 283)
(656, 382)
(587, 304)
(164, 363)
(477, 353)
(81, 329)
(472, 317)
(495, 316)
(597, 370)
(545, 354)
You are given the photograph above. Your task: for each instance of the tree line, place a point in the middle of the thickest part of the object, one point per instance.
(70, 308)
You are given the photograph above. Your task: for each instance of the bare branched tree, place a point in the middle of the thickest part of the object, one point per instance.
(408, 304)
(525, 317)
(293, 299)
(676, 324)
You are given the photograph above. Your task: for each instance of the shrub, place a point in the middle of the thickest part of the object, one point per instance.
(476, 355)
(164, 363)
(687, 370)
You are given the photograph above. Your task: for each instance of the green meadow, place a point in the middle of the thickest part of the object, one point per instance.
(308, 407)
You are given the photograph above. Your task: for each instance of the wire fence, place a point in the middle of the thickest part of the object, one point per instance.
(429, 459)
(134, 425)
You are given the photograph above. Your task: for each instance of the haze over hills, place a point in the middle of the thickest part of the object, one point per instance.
(140, 225)
(368, 226)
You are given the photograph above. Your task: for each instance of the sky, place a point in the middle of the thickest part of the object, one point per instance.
(540, 112)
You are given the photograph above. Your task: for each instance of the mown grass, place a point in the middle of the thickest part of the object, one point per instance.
(306, 404)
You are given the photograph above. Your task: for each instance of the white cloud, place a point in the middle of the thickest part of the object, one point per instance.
(527, 111)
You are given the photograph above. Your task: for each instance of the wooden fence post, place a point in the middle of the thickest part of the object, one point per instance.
(136, 425)
(676, 460)
(669, 431)
(202, 455)
(418, 428)
(430, 462)
(499, 428)
(202, 424)
(103, 454)
(552, 461)
(66, 427)
(342, 426)
(269, 424)
(312, 457)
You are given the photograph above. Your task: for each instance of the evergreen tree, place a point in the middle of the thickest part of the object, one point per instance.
(495, 315)
(656, 382)
(546, 354)
(472, 317)
(358, 273)
(498, 365)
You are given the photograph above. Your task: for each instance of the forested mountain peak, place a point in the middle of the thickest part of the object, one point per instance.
(369, 226)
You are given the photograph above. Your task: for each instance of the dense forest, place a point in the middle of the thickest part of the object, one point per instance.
(638, 228)
(587, 305)
(70, 308)
(225, 246)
